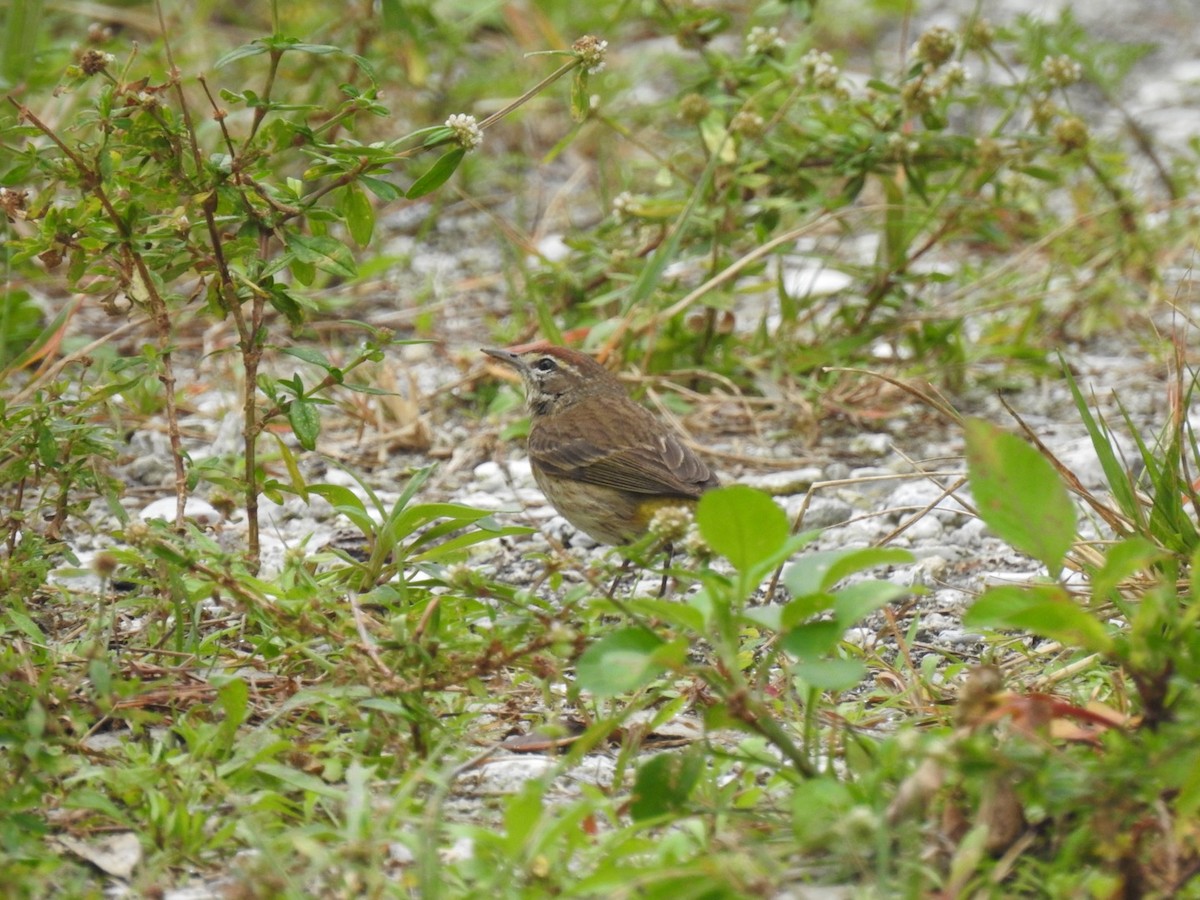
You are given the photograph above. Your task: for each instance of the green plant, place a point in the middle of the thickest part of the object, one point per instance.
(1118, 781)
(959, 148)
(139, 195)
(789, 651)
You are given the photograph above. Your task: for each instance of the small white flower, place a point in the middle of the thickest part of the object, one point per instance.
(1061, 71)
(466, 130)
(623, 206)
(592, 51)
(954, 75)
(762, 41)
(820, 68)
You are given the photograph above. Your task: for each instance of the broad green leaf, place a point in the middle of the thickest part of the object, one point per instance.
(855, 602)
(304, 272)
(816, 573)
(360, 215)
(234, 699)
(523, 813)
(831, 674)
(768, 616)
(812, 641)
(681, 615)
(664, 783)
(1019, 495)
(306, 422)
(438, 174)
(625, 661)
(322, 251)
(742, 524)
(1044, 609)
(804, 607)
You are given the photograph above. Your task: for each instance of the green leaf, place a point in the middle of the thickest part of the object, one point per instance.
(309, 355)
(818, 572)
(804, 607)
(455, 544)
(1044, 609)
(234, 699)
(831, 674)
(298, 485)
(716, 137)
(581, 101)
(664, 783)
(321, 251)
(315, 49)
(742, 524)
(285, 303)
(1019, 495)
(680, 615)
(346, 502)
(522, 814)
(360, 215)
(1115, 474)
(855, 602)
(254, 48)
(437, 175)
(812, 641)
(306, 422)
(21, 622)
(304, 273)
(625, 661)
(384, 190)
(47, 447)
(301, 781)
(1121, 560)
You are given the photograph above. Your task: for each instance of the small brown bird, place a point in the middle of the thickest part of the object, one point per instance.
(604, 462)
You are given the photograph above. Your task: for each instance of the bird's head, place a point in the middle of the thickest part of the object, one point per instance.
(556, 377)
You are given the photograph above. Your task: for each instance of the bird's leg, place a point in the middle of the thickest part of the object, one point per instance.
(612, 588)
(669, 549)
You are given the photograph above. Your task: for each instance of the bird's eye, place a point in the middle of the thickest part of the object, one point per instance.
(545, 364)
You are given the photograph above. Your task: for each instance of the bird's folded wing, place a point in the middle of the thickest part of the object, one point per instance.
(664, 466)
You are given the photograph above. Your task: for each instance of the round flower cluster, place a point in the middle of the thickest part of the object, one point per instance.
(670, 523)
(819, 69)
(624, 206)
(1071, 134)
(747, 124)
(592, 51)
(466, 130)
(94, 61)
(762, 41)
(693, 108)
(1061, 71)
(936, 46)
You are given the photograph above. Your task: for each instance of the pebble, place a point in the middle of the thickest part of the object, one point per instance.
(794, 481)
(200, 511)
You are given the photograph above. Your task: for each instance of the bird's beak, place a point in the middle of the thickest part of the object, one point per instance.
(507, 357)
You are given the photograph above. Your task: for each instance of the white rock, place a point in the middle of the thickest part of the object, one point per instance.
(200, 511)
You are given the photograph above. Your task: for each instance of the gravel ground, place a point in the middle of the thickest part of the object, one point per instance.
(866, 485)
